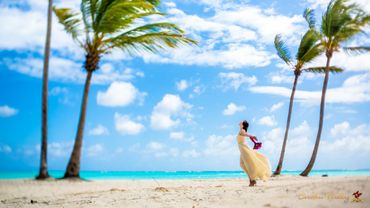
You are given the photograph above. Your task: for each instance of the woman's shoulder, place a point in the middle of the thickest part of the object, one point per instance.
(242, 132)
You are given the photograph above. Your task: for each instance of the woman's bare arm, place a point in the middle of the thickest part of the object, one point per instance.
(245, 133)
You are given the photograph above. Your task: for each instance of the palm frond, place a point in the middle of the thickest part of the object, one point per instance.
(356, 50)
(309, 16)
(70, 20)
(88, 10)
(154, 27)
(335, 16)
(154, 2)
(342, 21)
(322, 69)
(111, 24)
(309, 47)
(282, 50)
(114, 25)
(150, 42)
(118, 10)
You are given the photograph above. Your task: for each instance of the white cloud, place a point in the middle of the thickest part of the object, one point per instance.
(191, 153)
(348, 139)
(5, 149)
(230, 35)
(109, 73)
(236, 80)
(267, 121)
(60, 69)
(344, 142)
(63, 95)
(119, 94)
(182, 85)
(58, 90)
(55, 149)
(67, 70)
(233, 56)
(340, 129)
(99, 130)
(158, 149)
(350, 63)
(221, 145)
(298, 141)
(59, 149)
(197, 90)
(7, 111)
(318, 3)
(170, 4)
(232, 108)
(226, 38)
(155, 146)
(276, 106)
(94, 150)
(124, 125)
(357, 86)
(18, 34)
(167, 113)
(265, 24)
(177, 135)
(322, 4)
(280, 78)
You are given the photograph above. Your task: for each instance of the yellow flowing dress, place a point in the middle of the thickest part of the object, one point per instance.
(254, 164)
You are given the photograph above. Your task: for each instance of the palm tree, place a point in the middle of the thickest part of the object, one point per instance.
(307, 51)
(104, 25)
(43, 174)
(340, 23)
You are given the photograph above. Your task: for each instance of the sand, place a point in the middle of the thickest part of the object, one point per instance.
(282, 191)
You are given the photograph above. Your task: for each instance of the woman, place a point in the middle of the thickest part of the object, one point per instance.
(254, 164)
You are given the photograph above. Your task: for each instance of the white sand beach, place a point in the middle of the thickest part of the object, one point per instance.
(282, 191)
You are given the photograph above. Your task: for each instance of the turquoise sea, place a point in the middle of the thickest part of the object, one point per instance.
(104, 175)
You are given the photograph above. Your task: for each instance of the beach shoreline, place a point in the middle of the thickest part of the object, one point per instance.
(281, 191)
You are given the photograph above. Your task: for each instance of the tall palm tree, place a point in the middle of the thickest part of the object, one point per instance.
(43, 173)
(104, 25)
(307, 51)
(340, 23)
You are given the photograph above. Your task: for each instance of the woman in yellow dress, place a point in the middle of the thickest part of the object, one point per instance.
(254, 164)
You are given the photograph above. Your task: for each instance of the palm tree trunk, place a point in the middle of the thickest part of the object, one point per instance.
(282, 153)
(321, 122)
(73, 168)
(43, 174)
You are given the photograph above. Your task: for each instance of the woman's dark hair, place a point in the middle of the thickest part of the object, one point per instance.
(245, 125)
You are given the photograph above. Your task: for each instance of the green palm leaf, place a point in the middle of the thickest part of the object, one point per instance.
(342, 21)
(155, 27)
(309, 16)
(88, 10)
(309, 48)
(114, 24)
(282, 50)
(151, 42)
(322, 69)
(70, 20)
(356, 50)
(108, 24)
(115, 11)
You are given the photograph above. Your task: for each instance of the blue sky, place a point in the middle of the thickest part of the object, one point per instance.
(179, 110)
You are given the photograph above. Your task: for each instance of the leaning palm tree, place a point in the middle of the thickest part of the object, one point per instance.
(340, 22)
(308, 50)
(43, 173)
(104, 25)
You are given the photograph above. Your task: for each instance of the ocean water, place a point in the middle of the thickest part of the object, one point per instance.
(104, 175)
